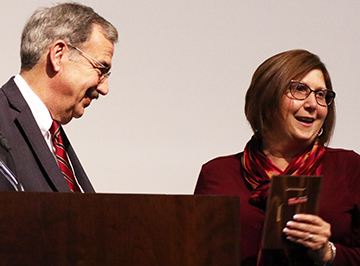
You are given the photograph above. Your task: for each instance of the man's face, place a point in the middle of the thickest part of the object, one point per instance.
(81, 78)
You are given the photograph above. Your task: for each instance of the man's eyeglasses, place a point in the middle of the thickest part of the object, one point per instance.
(301, 91)
(104, 70)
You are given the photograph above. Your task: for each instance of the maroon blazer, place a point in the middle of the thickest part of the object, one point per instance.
(29, 157)
(339, 202)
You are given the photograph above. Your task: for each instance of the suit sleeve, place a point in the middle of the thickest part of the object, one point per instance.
(7, 159)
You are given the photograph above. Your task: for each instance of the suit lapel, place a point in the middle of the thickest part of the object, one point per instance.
(26, 123)
(42, 152)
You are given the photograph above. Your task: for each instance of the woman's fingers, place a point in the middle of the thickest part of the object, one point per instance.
(304, 225)
(310, 231)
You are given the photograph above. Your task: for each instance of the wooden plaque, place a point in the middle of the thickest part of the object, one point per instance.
(288, 195)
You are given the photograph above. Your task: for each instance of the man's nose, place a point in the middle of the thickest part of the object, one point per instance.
(103, 87)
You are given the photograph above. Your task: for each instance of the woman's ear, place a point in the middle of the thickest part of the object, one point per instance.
(58, 51)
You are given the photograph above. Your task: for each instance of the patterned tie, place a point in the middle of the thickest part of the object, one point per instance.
(62, 158)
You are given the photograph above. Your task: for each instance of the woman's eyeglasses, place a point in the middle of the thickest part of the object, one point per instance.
(301, 91)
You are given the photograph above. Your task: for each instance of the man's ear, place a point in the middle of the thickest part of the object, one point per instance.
(58, 52)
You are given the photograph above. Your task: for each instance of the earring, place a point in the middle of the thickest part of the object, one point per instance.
(320, 132)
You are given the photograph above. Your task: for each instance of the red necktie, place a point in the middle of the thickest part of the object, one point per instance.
(62, 158)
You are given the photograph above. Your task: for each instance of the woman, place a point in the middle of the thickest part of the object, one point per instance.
(290, 107)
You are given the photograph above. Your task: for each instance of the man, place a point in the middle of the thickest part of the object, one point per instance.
(66, 54)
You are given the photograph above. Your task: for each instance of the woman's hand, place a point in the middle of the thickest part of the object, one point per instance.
(312, 232)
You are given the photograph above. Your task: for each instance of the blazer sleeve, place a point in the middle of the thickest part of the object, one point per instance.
(350, 255)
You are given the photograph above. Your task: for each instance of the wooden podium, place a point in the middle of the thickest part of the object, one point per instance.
(65, 229)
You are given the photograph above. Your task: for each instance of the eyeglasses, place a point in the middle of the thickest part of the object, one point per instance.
(104, 70)
(301, 91)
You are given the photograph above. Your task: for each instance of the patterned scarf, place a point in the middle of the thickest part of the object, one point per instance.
(258, 169)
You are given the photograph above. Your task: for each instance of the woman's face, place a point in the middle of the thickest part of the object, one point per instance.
(303, 119)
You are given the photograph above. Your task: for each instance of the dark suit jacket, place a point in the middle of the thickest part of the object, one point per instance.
(29, 156)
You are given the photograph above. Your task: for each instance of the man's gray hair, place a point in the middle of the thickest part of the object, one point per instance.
(71, 22)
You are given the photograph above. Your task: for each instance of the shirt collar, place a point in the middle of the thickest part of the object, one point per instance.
(37, 107)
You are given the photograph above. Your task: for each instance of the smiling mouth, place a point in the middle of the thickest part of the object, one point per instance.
(307, 120)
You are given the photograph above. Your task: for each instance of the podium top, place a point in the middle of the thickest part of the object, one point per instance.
(40, 228)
